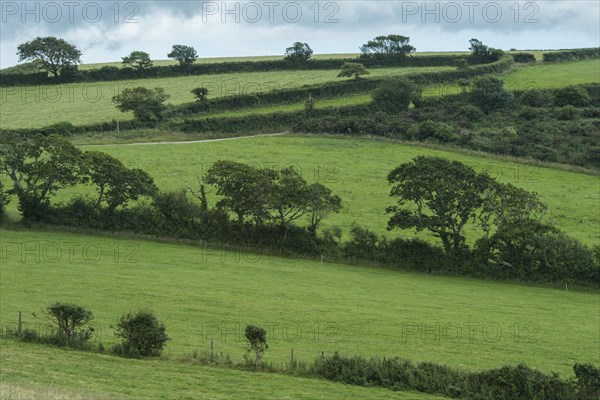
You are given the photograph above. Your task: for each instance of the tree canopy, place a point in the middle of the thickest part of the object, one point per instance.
(139, 60)
(298, 52)
(390, 44)
(146, 104)
(355, 70)
(55, 55)
(186, 55)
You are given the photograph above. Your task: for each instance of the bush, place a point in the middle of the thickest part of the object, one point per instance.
(572, 95)
(395, 95)
(567, 113)
(428, 129)
(536, 98)
(471, 112)
(523, 57)
(588, 381)
(69, 320)
(257, 342)
(489, 94)
(143, 335)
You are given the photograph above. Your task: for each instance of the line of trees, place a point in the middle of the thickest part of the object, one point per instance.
(60, 57)
(278, 210)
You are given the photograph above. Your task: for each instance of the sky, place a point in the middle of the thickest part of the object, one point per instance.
(108, 30)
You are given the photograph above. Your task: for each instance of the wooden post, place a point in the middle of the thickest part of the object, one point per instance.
(292, 364)
(20, 325)
(212, 349)
(322, 359)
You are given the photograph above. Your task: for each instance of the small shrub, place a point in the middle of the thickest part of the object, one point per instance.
(257, 342)
(471, 112)
(572, 95)
(567, 113)
(200, 93)
(143, 335)
(70, 320)
(523, 57)
(536, 98)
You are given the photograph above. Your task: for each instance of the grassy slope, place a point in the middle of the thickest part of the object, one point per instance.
(305, 305)
(34, 371)
(356, 169)
(83, 103)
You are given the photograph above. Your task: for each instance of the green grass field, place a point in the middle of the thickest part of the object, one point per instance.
(81, 103)
(308, 306)
(356, 169)
(38, 372)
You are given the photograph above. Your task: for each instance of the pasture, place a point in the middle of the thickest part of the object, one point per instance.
(356, 170)
(87, 103)
(201, 292)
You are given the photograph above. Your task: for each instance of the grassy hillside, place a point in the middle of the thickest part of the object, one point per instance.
(71, 375)
(308, 306)
(84, 103)
(356, 169)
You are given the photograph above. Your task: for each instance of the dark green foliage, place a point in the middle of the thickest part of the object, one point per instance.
(109, 73)
(489, 94)
(471, 112)
(116, 184)
(572, 55)
(298, 53)
(200, 93)
(146, 104)
(536, 98)
(572, 95)
(256, 338)
(447, 194)
(54, 54)
(397, 45)
(588, 381)
(439, 131)
(567, 113)
(69, 320)
(506, 383)
(395, 95)
(4, 200)
(186, 55)
(523, 57)
(355, 70)
(38, 167)
(142, 334)
(138, 60)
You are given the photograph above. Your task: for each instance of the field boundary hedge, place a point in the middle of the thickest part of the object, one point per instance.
(572, 55)
(110, 73)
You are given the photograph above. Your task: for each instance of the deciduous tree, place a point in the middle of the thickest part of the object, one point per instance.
(54, 54)
(186, 55)
(139, 60)
(355, 70)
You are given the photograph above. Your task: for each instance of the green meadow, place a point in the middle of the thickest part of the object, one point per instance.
(73, 375)
(356, 169)
(86, 103)
(202, 292)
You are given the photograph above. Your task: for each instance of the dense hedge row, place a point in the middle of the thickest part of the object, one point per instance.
(553, 125)
(572, 55)
(109, 73)
(506, 383)
(523, 57)
(337, 89)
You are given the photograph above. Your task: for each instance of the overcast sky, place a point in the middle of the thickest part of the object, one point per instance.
(109, 30)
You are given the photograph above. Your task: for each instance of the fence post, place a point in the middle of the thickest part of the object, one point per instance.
(20, 325)
(212, 349)
(322, 359)
(292, 364)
